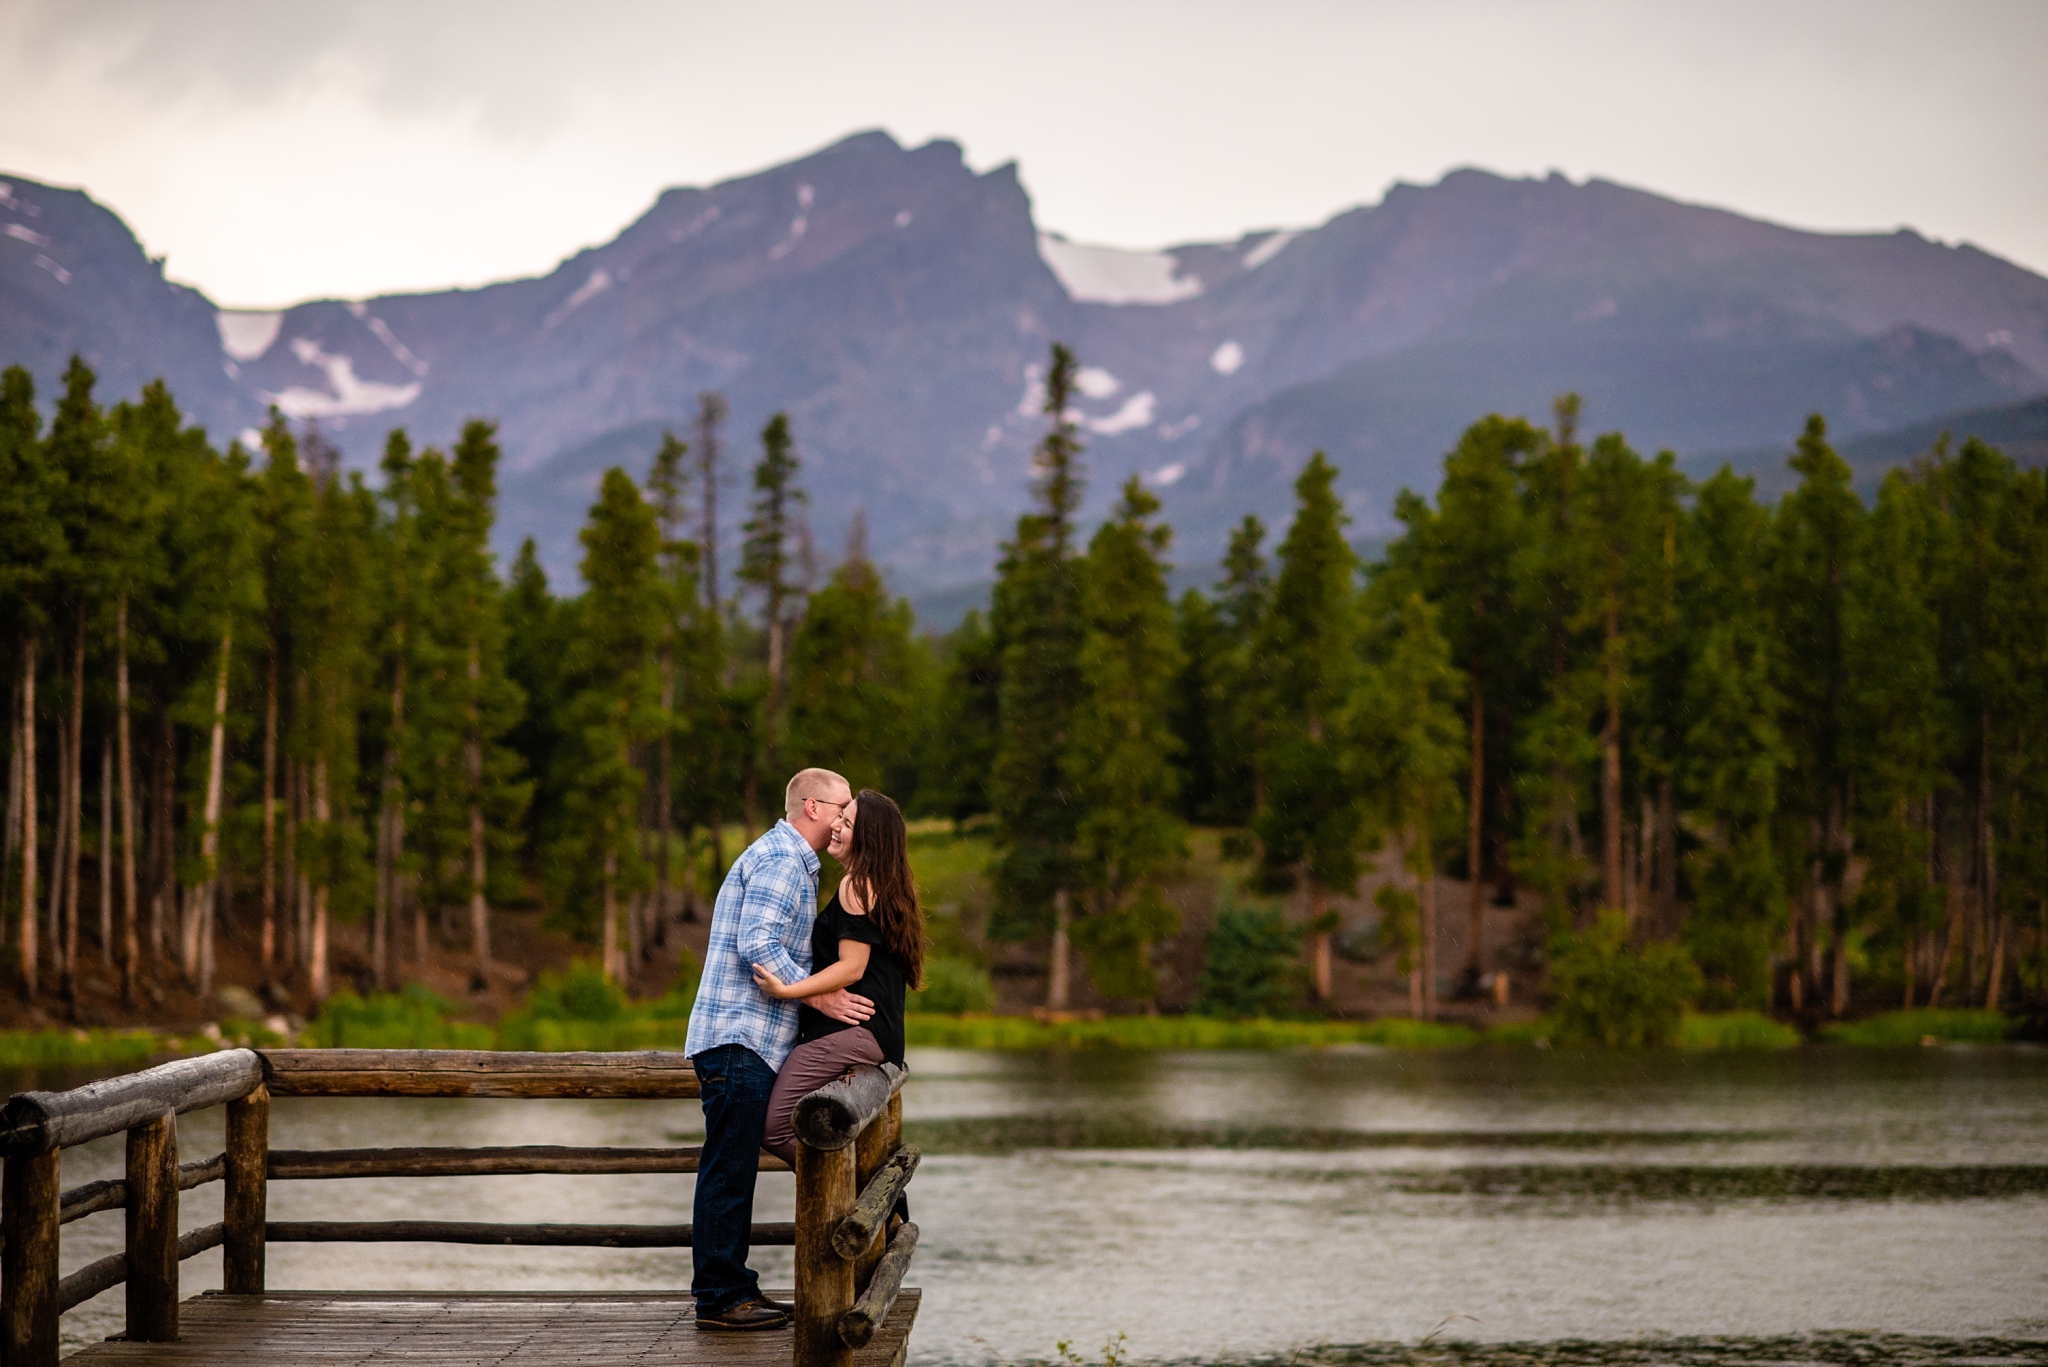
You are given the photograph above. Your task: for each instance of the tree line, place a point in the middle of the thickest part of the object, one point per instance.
(1800, 742)
(1804, 744)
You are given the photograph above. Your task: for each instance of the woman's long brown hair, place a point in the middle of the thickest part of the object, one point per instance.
(878, 861)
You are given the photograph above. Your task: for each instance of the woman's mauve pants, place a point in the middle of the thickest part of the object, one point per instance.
(810, 1066)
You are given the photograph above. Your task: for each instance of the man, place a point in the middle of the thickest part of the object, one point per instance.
(739, 1037)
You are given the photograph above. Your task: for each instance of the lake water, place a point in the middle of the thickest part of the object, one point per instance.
(1238, 1207)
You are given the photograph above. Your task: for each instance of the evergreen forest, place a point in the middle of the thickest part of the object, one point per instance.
(1792, 757)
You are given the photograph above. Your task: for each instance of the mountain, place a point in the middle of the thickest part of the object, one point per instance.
(900, 305)
(2020, 430)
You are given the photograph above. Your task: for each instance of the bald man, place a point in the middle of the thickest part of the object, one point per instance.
(739, 1037)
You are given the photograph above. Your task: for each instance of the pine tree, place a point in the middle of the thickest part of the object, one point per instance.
(135, 507)
(853, 680)
(1465, 552)
(335, 623)
(1898, 733)
(494, 793)
(1554, 746)
(1626, 520)
(80, 462)
(31, 552)
(958, 750)
(406, 588)
(1732, 750)
(1121, 748)
(536, 651)
(595, 859)
(1309, 827)
(1412, 744)
(1198, 629)
(1036, 619)
(1238, 680)
(284, 514)
(667, 487)
(766, 562)
(2018, 616)
(1819, 526)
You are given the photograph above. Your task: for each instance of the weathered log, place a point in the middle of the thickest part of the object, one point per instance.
(28, 1271)
(824, 1280)
(112, 1193)
(36, 1122)
(308, 1164)
(194, 1242)
(874, 1148)
(152, 1306)
(102, 1274)
(833, 1116)
(245, 1205)
(648, 1073)
(469, 1232)
(858, 1230)
(871, 1311)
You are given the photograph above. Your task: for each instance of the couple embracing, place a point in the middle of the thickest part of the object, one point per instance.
(792, 998)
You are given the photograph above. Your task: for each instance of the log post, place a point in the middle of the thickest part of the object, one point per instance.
(153, 1231)
(870, 1152)
(825, 1194)
(28, 1281)
(244, 1209)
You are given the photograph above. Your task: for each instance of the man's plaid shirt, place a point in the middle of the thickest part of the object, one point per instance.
(764, 915)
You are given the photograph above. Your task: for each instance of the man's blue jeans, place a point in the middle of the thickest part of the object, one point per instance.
(733, 1083)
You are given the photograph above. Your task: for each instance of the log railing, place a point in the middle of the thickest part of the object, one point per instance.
(851, 1250)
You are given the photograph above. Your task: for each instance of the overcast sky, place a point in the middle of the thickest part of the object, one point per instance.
(278, 152)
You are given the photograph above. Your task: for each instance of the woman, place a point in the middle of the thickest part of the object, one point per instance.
(869, 939)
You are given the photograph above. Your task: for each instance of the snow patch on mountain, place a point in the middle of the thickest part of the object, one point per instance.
(350, 395)
(1267, 250)
(21, 232)
(1137, 412)
(1115, 275)
(1225, 360)
(246, 334)
(600, 280)
(1096, 382)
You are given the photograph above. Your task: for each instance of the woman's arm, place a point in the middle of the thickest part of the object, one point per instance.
(853, 962)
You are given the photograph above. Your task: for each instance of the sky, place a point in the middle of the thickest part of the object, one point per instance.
(280, 152)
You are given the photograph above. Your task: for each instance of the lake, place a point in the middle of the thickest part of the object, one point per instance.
(1234, 1207)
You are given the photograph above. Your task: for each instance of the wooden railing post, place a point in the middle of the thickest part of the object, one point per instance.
(871, 1151)
(245, 1207)
(153, 1231)
(825, 1192)
(28, 1281)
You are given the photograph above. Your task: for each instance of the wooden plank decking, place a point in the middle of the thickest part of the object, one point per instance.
(440, 1329)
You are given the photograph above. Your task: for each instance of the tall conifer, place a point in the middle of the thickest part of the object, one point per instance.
(1036, 618)
(1309, 827)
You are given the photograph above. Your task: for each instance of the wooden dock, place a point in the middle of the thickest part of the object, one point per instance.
(852, 1245)
(428, 1329)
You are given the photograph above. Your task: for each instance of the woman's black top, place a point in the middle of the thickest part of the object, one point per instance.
(882, 983)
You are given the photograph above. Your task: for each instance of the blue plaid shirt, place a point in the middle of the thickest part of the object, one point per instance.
(764, 915)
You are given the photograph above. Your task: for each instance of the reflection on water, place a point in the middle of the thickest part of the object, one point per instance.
(1233, 1207)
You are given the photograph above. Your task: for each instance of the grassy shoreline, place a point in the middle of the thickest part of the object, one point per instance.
(662, 1026)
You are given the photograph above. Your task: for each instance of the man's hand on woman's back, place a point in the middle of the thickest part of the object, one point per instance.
(846, 1007)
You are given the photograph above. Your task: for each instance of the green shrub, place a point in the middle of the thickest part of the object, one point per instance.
(1606, 990)
(1251, 965)
(411, 1018)
(952, 986)
(79, 1048)
(1911, 1027)
(1734, 1030)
